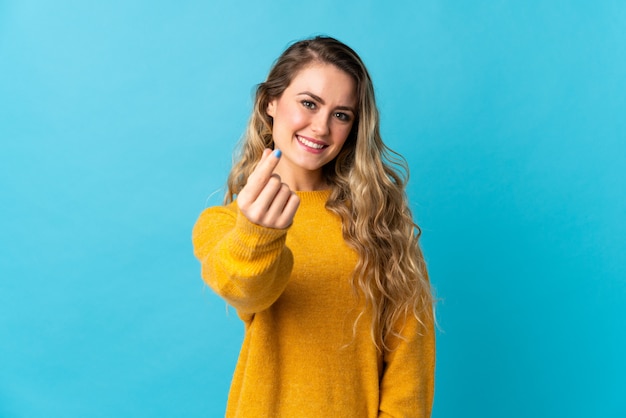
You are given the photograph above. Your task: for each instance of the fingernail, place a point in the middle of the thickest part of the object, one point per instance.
(277, 153)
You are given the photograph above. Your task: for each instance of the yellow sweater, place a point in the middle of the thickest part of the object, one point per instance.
(292, 289)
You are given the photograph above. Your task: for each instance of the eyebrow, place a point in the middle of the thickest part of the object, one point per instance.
(319, 99)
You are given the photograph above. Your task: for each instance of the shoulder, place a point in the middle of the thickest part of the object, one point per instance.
(213, 216)
(223, 210)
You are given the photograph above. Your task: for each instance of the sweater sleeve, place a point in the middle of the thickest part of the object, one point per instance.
(246, 264)
(407, 384)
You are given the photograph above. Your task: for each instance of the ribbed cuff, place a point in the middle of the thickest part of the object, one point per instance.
(252, 237)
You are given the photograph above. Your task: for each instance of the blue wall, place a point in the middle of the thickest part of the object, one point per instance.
(117, 122)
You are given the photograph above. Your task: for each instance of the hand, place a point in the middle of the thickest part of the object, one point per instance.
(265, 200)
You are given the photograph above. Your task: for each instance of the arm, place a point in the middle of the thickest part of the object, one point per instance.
(246, 264)
(407, 384)
(242, 247)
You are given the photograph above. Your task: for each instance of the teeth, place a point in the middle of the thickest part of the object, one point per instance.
(309, 143)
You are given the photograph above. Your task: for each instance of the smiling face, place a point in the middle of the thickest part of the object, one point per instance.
(311, 121)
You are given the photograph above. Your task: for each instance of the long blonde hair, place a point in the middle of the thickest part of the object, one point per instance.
(368, 182)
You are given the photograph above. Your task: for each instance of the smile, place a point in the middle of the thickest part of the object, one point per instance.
(310, 144)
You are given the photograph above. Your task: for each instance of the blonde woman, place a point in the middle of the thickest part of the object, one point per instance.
(316, 249)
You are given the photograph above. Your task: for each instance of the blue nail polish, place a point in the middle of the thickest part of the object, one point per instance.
(277, 153)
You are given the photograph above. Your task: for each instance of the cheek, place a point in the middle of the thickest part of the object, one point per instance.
(291, 115)
(342, 132)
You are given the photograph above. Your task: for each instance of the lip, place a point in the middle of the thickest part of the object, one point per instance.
(314, 141)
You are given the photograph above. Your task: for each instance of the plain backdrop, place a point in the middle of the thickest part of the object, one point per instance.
(117, 124)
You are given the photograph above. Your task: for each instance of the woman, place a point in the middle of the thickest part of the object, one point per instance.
(318, 253)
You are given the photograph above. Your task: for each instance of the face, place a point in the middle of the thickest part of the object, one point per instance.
(311, 121)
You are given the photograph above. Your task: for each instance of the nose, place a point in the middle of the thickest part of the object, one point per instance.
(320, 124)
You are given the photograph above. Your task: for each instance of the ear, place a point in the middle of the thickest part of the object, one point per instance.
(271, 108)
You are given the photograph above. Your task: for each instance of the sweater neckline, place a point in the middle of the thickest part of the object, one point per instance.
(320, 196)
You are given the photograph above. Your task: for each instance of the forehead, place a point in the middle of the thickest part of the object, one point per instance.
(327, 81)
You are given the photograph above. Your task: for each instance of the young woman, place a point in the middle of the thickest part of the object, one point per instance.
(317, 251)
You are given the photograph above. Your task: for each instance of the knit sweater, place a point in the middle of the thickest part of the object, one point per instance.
(301, 355)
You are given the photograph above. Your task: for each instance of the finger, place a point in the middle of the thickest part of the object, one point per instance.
(266, 152)
(268, 163)
(276, 207)
(256, 210)
(289, 211)
(267, 195)
(262, 173)
(251, 189)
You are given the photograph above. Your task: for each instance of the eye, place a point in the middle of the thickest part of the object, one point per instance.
(344, 117)
(308, 104)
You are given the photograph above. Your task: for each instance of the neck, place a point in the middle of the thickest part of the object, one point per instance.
(306, 181)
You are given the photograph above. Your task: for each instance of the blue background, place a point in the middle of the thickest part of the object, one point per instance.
(117, 123)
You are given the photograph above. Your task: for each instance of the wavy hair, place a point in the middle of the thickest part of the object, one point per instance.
(368, 182)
